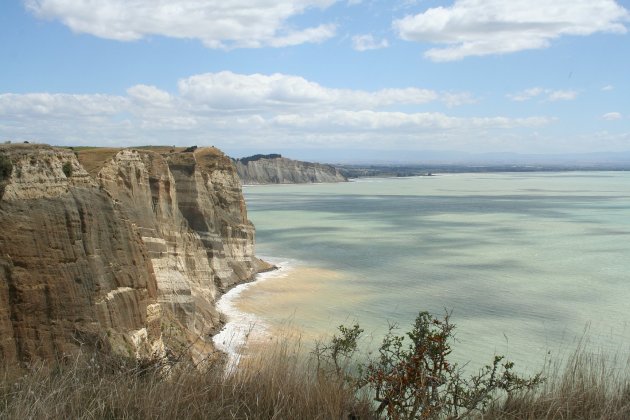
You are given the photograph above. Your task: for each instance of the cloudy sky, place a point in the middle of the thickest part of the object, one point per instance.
(322, 78)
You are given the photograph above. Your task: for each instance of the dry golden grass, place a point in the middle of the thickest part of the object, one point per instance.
(161, 149)
(276, 384)
(587, 386)
(94, 158)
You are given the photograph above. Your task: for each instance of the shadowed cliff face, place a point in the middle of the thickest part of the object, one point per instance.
(279, 170)
(143, 248)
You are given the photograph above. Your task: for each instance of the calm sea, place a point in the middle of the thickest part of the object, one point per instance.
(526, 263)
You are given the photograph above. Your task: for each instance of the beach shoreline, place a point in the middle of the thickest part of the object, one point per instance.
(239, 326)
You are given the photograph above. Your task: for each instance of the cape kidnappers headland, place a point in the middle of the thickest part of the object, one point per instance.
(126, 250)
(275, 169)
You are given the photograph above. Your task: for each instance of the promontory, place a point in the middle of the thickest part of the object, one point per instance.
(124, 250)
(275, 169)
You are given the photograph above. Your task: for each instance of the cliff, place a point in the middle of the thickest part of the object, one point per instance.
(128, 255)
(274, 169)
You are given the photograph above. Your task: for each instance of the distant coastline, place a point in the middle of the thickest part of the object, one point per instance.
(420, 169)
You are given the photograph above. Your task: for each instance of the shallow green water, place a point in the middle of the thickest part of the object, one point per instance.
(524, 261)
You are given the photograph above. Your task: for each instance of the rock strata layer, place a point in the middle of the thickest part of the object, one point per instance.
(274, 169)
(129, 257)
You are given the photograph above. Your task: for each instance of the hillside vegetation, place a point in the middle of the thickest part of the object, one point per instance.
(411, 378)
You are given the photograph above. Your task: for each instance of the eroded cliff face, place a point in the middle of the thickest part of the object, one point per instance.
(279, 170)
(73, 270)
(131, 258)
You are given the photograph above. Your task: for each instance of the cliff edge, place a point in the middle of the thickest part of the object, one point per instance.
(124, 250)
(274, 169)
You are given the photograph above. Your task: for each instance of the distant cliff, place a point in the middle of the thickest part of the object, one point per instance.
(121, 249)
(274, 169)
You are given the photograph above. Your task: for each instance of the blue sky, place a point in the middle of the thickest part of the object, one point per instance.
(321, 78)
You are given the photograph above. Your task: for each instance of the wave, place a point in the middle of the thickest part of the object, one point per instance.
(241, 325)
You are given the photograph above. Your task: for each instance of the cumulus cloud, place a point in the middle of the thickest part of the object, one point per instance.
(526, 94)
(368, 42)
(230, 91)
(149, 95)
(367, 120)
(562, 95)
(612, 116)
(546, 94)
(58, 105)
(237, 110)
(217, 23)
(484, 27)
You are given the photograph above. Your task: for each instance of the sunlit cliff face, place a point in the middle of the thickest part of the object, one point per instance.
(111, 258)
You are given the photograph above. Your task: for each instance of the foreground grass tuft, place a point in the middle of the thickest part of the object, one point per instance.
(588, 386)
(273, 385)
(278, 382)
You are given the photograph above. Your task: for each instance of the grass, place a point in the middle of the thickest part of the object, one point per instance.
(276, 384)
(587, 386)
(94, 158)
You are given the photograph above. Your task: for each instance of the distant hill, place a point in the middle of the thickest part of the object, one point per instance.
(275, 169)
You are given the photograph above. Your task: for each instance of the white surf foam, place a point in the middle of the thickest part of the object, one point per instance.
(241, 325)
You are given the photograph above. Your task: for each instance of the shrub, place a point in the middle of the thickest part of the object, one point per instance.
(276, 382)
(254, 158)
(412, 377)
(6, 167)
(339, 351)
(67, 169)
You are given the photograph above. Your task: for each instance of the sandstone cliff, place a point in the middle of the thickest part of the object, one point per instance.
(274, 169)
(130, 256)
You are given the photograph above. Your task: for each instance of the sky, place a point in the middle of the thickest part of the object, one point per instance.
(321, 79)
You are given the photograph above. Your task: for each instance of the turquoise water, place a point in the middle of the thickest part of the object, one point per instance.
(525, 262)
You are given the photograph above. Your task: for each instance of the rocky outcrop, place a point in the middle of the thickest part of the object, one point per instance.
(130, 259)
(274, 169)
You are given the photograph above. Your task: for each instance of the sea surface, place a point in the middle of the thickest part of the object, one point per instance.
(528, 264)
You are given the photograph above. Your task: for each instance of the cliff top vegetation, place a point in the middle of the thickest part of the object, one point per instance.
(254, 158)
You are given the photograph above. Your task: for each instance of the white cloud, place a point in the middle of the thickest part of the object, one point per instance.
(484, 27)
(608, 88)
(53, 105)
(217, 23)
(547, 94)
(239, 92)
(231, 91)
(149, 95)
(235, 110)
(562, 95)
(368, 42)
(367, 120)
(526, 95)
(316, 35)
(612, 116)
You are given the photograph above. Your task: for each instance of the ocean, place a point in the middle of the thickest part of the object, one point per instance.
(528, 264)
